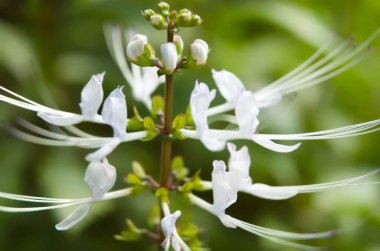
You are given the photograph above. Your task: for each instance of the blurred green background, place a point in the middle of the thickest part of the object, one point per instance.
(49, 49)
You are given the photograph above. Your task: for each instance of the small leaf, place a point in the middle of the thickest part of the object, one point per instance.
(157, 105)
(128, 235)
(151, 127)
(133, 179)
(178, 124)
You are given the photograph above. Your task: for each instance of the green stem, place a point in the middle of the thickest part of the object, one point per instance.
(166, 144)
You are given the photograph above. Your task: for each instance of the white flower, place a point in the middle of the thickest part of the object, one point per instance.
(200, 100)
(238, 166)
(169, 57)
(99, 176)
(91, 99)
(199, 51)
(136, 46)
(143, 80)
(170, 232)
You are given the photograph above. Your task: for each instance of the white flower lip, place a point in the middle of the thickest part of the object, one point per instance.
(169, 56)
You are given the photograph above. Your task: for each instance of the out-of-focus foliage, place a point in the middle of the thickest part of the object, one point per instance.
(49, 49)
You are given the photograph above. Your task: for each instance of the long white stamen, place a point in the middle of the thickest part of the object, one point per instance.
(270, 234)
(62, 202)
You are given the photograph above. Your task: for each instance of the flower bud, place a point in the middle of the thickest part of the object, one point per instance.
(198, 54)
(100, 177)
(147, 13)
(140, 52)
(169, 57)
(179, 44)
(164, 8)
(184, 18)
(158, 22)
(196, 20)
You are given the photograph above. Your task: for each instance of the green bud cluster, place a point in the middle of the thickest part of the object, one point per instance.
(165, 17)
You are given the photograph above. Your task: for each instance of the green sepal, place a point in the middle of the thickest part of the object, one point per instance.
(136, 123)
(131, 234)
(133, 179)
(179, 123)
(195, 183)
(157, 105)
(150, 126)
(163, 194)
(189, 118)
(178, 168)
(147, 58)
(138, 170)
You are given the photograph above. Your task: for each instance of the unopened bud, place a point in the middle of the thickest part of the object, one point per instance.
(179, 44)
(158, 22)
(196, 20)
(147, 13)
(169, 57)
(199, 52)
(184, 18)
(140, 52)
(164, 8)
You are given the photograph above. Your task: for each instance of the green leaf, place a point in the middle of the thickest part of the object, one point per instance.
(128, 235)
(157, 105)
(151, 127)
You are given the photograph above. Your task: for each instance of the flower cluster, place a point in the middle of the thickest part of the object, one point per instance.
(144, 72)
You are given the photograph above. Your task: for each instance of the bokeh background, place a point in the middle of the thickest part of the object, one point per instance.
(50, 48)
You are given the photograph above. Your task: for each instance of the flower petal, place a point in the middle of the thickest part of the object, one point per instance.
(92, 96)
(77, 216)
(271, 193)
(58, 120)
(100, 177)
(246, 112)
(267, 143)
(228, 84)
(114, 112)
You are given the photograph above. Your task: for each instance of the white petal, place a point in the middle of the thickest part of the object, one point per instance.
(78, 215)
(92, 96)
(61, 120)
(135, 48)
(228, 84)
(212, 144)
(100, 177)
(267, 143)
(271, 193)
(239, 163)
(224, 187)
(114, 112)
(104, 150)
(246, 112)
(169, 56)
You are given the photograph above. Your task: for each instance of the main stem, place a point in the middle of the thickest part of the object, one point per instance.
(166, 145)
